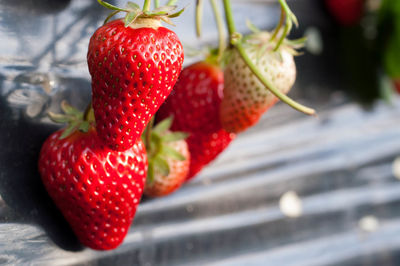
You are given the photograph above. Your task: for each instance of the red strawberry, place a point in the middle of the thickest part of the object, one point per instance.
(97, 189)
(133, 69)
(346, 12)
(245, 97)
(397, 85)
(195, 104)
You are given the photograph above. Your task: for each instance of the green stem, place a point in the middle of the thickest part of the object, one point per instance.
(229, 17)
(221, 31)
(199, 17)
(110, 6)
(146, 5)
(156, 3)
(269, 85)
(277, 29)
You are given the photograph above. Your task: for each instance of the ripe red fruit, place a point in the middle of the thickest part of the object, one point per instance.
(397, 85)
(96, 189)
(195, 105)
(164, 184)
(346, 12)
(133, 70)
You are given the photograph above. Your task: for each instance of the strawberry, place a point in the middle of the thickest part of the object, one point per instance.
(245, 97)
(195, 105)
(346, 12)
(169, 160)
(134, 66)
(96, 189)
(397, 85)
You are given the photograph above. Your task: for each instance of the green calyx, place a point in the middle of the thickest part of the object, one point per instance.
(134, 12)
(159, 148)
(75, 119)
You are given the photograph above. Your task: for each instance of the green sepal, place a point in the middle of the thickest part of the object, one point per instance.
(84, 126)
(132, 6)
(59, 118)
(253, 28)
(110, 6)
(163, 10)
(163, 126)
(177, 14)
(74, 125)
(174, 136)
(172, 153)
(130, 17)
(150, 173)
(69, 109)
(161, 165)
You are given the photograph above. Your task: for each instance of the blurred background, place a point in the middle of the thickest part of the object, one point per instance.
(293, 190)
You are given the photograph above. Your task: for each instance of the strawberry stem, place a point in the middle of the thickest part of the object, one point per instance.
(229, 18)
(280, 24)
(199, 17)
(146, 5)
(156, 3)
(221, 31)
(269, 85)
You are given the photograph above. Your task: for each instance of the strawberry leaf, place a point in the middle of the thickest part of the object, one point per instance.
(177, 14)
(132, 6)
(130, 17)
(163, 10)
(163, 125)
(150, 173)
(175, 136)
(70, 129)
(172, 153)
(70, 110)
(59, 118)
(84, 126)
(161, 165)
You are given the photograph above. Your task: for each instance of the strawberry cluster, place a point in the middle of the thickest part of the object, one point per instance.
(129, 142)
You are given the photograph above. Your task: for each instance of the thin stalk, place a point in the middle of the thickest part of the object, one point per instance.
(229, 17)
(156, 3)
(270, 86)
(221, 30)
(199, 16)
(146, 5)
(280, 24)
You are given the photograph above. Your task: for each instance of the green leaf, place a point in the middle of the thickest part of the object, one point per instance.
(84, 126)
(70, 110)
(164, 10)
(161, 165)
(132, 6)
(150, 173)
(167, 20)
(172, 153)
(177, 14)
(69, 129)
(59, 118)
(174, 136)
(130, 17)
(251, 26)
(163, 125)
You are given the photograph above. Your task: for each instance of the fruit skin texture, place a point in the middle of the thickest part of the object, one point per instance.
(195, 105)
(346, 12)
(133, 71)
(164, 185)
(96, 189)
(245, 97)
